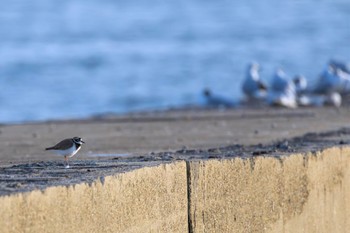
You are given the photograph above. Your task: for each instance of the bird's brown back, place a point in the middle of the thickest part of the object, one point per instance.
(62, 145)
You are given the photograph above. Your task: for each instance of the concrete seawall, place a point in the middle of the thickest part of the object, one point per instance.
(295, 193)
(151, 199)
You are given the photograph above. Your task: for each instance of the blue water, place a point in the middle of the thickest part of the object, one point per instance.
(74, 58)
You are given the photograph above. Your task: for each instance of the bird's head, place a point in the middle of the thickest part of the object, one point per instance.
(78, 140)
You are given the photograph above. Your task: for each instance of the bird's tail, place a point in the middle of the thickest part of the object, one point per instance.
(49, 148)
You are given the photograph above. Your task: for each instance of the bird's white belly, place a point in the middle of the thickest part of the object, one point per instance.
(68, 152)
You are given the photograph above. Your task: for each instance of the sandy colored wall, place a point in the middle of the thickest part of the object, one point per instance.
(296, 193)
(293, 194)
(152, 199)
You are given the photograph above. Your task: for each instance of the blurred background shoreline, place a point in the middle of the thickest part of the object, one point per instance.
(75, 59)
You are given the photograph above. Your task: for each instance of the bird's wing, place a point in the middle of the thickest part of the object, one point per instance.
(63, 145)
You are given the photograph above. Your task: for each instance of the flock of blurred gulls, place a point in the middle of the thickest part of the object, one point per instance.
(329, 89)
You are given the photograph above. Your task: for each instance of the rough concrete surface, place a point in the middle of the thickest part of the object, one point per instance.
(297, 193)
(327, 206)
(224, 172)
(165, 131)
(40, 175)
(151, 199)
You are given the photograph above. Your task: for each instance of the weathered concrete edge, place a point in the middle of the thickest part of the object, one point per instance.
(295, 193)
(150, 199)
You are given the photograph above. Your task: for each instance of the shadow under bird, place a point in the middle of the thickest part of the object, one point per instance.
(67, 147)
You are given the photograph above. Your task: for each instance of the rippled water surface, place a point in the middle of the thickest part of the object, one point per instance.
(74, 58)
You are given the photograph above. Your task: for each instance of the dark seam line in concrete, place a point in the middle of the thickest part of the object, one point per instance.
(188, 178)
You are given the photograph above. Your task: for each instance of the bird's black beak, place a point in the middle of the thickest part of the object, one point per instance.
(82, 141)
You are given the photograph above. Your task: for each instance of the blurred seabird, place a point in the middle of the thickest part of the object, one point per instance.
(340, 65)
(212, 100)
(332, 80)
(253, 87)
(282, 91)
(334, 99)
(300, 84)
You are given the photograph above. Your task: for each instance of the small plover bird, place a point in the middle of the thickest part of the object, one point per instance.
(253, 87)
(67, 147)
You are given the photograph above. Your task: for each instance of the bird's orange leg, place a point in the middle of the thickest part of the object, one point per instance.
(66, 164)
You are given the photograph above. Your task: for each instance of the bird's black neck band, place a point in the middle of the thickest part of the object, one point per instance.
(77, 145)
